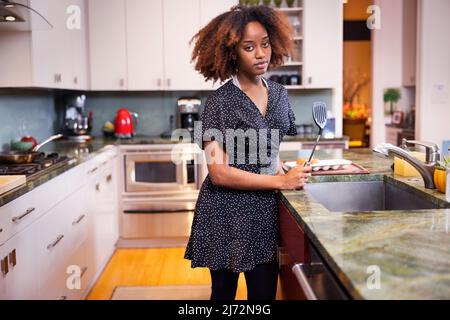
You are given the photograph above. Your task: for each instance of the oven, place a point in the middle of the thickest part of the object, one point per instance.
(160, 189)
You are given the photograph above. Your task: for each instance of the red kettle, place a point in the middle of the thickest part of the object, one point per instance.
(124, 127)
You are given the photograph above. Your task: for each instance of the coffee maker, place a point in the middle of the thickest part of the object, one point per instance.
(188, 113)
(77, 126)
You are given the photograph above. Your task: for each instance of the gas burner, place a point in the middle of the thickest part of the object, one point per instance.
(37, 168)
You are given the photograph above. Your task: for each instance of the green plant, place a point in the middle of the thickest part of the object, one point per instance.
(392, 96)
(278, 3)
(444, 164)
(267, 2)
(290, 3)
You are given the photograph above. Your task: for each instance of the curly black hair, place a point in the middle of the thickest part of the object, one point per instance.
(215, 44)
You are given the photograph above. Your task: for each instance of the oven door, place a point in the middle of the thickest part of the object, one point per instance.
(155, 171)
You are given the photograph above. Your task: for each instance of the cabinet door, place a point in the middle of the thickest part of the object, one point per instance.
(181, 23)
(50, 46)
(76, 13)
(107, 45)
(145, 51)
(323, 43)
(209, 10)
(21, 281)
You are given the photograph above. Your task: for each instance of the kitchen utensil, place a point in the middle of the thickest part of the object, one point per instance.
(330, 167)
(124, 127)
(8, 183)
(320, 118)
(18, 157)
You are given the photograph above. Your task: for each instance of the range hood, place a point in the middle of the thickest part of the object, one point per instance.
(17, 15)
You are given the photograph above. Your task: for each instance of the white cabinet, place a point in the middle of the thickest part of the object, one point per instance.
(323, 43)
(144, 25)
(107, 42)
(48, 57)
(55, 251)
(19, 273)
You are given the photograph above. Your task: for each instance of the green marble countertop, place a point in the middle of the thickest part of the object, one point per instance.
(410, 248)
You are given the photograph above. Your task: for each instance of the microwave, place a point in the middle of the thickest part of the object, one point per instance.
(163, 169)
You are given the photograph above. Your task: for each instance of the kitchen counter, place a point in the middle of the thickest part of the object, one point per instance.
(411, 248)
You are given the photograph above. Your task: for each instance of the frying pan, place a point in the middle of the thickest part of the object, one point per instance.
(18, 157)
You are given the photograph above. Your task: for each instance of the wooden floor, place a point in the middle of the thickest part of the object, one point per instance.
(152, 267)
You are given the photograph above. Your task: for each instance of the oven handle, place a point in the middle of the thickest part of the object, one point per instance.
(299, 272)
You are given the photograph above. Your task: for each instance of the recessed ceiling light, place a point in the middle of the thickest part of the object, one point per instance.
(9, 6)
(10, 18)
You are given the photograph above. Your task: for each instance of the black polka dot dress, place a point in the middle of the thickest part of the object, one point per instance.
(236, 229)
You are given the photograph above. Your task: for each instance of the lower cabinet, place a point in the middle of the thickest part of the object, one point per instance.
(58, 255)
(293, 249)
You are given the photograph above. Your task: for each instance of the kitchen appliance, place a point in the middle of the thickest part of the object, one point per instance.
(320, 118)
(189, 111)
(18, 157)
(124, 126)
(161, 186)
(77, 124)
(36, 168)
(316, 279)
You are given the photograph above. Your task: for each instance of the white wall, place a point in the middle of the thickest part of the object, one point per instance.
(433, 103)
(386, 62)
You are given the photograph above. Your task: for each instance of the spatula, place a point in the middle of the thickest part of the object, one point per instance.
(319, 112)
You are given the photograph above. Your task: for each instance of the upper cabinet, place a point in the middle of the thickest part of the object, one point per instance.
(322, 43)
(144, 44)
(45, 56)
(409, 42)
(107, 45)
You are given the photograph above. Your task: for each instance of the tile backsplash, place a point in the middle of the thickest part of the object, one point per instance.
(26, 112)
(33, 112)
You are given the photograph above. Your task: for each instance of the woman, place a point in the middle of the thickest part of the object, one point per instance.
(235, 226)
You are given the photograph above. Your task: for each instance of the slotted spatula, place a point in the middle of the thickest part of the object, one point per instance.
(319, 112)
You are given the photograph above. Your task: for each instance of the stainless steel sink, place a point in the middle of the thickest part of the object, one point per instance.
(366, 196)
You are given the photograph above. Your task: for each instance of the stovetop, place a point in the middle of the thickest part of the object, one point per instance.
(37, 168)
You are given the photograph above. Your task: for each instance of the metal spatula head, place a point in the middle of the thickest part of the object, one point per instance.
(319, 113)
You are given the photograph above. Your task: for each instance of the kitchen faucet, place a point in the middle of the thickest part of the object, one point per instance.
(426, 169)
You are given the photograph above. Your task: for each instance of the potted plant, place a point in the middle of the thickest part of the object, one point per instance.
(440, 174)
(290, 3)
(267, 2)
(392, 96)
(278, 3)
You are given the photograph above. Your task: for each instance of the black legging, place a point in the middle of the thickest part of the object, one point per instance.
(261, 283)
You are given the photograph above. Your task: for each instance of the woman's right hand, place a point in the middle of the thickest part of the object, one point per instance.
(296, 178)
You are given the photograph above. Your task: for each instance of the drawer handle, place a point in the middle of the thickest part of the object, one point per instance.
(30, 210)
(109, 178)
(54, 243)
(63, 298)
(104, 163)
(97, 187)
(13, 258)
(299, 272)
(79, 219)
(92, 171)
(4, 266)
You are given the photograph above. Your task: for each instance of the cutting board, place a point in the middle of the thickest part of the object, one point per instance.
(351, 169)
(10, 182)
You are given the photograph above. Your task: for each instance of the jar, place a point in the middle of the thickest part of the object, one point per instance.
(295, 80)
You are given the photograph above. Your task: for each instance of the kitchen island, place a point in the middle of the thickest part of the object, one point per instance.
(409, 250)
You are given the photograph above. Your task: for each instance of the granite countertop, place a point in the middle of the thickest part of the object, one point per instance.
(411, 248)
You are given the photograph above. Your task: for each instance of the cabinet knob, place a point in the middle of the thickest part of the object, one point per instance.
(122, 82)
(109, 178)
(168, 82)
(97, 187)
(309, 80)
(75, 80)
(159, 82)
